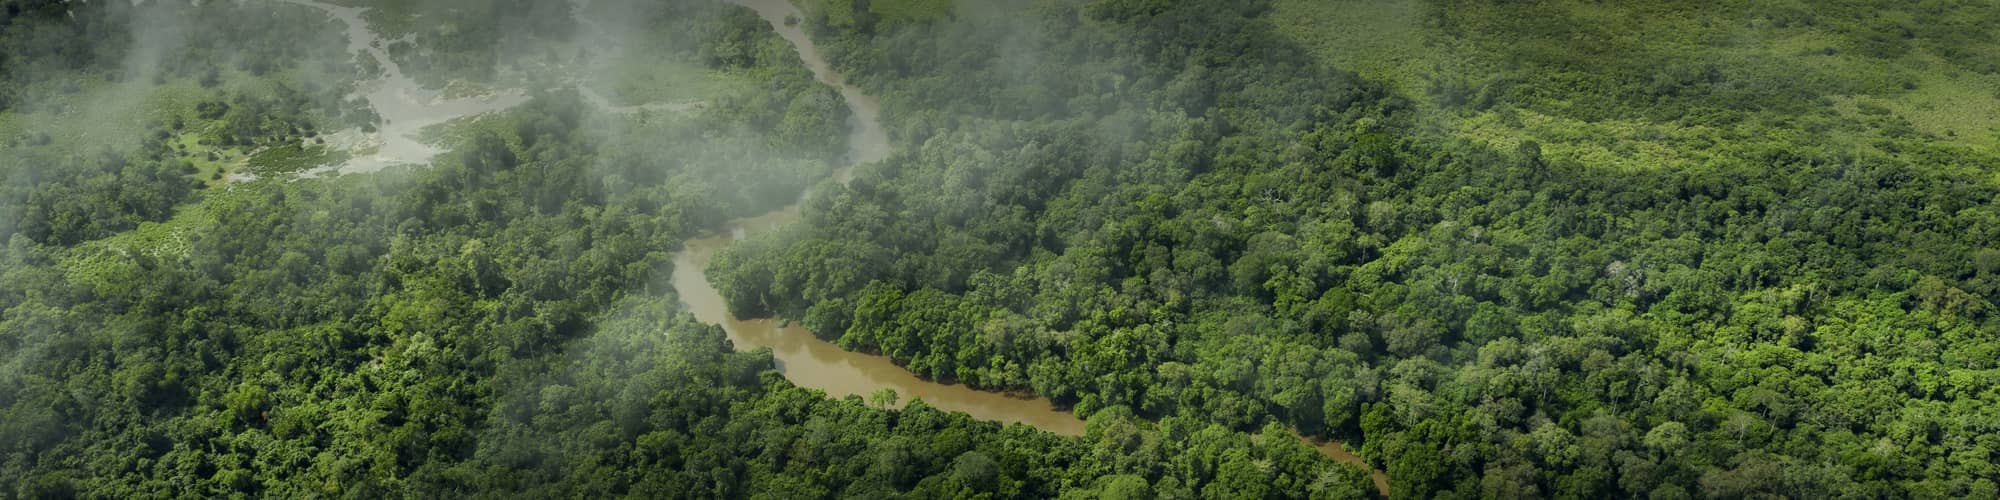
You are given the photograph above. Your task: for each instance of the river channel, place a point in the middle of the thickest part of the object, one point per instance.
(810, 362)
(806, 360)
(406, 108)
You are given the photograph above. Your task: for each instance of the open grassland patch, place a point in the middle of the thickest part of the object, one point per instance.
(634, 80)
(1380, 39)
(1657, 84)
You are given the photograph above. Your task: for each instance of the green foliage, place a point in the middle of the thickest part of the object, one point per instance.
(1166, 207)
(491, 325)
(128, 136)
(292, 158)
(1596, 250)
(865, 15)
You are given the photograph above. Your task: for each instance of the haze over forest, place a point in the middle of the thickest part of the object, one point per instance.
(999, 249)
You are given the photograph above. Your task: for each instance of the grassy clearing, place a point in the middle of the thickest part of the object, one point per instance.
(635, 80)
(98, 262)
(95, 115)
(840, 13)
(1555, 70)
(914, 10)
(1962, 109)
(1380, 39)
(291, 158)
(89, 115)
(460, 89)
(212, 164)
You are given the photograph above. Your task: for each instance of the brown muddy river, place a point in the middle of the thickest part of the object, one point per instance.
(810, 362)
(806, 360)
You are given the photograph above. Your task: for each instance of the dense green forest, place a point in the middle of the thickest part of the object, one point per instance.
(496, 323)
(1569, 248)
(1602, 250)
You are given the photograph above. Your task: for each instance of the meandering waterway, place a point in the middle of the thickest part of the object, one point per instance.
(810, 362)
(406, 108)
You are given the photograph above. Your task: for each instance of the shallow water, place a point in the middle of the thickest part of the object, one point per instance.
(405, 106)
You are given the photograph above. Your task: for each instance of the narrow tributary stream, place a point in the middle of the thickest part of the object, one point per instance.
(810, 362)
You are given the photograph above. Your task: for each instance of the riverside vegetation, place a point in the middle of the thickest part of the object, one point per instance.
(1657, 248)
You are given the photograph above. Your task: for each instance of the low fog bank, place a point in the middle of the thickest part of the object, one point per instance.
(180, 281)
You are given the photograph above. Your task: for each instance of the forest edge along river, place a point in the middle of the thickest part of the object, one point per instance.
(810, 362)
(807, 361)
(804, 359)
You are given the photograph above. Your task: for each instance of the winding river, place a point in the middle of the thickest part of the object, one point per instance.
(804, 358)
(406, 108)
(810, 362)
